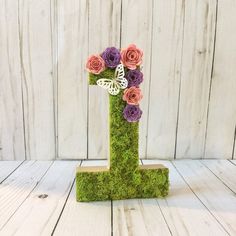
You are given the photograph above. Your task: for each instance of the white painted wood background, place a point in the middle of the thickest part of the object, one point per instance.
(48, 111)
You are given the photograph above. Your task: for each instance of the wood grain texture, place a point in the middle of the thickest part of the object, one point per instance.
(224, 170)
(182, 210)
(11, 111)
(222, 106)
(217, 197)
(34, 200)
(233, 161)
(36, 66)
(17, 187)
(137, 18)
(234, 145)
(165, 72)
(104, 31)
(7, 167)
(72, 17)
(43, 206)
(138, 217)
(87, 218)
(48, 111)
(197, 59)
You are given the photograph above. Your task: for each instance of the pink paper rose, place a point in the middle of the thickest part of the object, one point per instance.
(132, 95)
(95, 64)
(131, 57)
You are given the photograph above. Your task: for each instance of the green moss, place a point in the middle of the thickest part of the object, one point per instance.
(125, 179)
(107, 73)
(93, 186)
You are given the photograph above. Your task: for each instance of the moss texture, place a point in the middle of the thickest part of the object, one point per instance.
(108, 73)
(125, 179)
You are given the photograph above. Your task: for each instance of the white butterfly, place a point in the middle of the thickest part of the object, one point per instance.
(113, 85)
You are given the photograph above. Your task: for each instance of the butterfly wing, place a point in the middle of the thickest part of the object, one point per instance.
(114, 85)
(104, 83)
(114, 88)
(109, 84)
(123, 82)
(119, 77)
(119, 72)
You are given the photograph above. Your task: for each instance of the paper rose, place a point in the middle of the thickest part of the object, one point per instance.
(112, 57)
(95, 64)
(132, 95)
(131, 57)
(132, 113)
(134, 77)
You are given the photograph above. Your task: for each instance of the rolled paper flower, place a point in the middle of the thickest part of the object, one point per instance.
(112, 57)
(131, 57)
(132, 113)
(134, 77)
(132, 95)
(95, 64)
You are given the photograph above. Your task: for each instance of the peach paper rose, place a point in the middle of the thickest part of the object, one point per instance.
(131, 57)
(95, 64)
(132, 95)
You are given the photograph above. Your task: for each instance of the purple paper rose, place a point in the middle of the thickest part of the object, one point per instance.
(132, 113)
(111, 56)
(134, 77)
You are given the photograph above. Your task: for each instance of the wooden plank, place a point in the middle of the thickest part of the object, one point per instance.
(38, 95)
(218, 198)
(85, 218)
(234, 145)
(141, 28)
(233, 161)
(104, 31)
(94, 163)
(17, 187)
(38, 215)
(198, 46)
(72, 78)
(183, 212)
(222, 106)
(138, 217)
(11, 118)
(164, 88)
(6, 168)
(106, 167)
(224, 170)
(91, 163)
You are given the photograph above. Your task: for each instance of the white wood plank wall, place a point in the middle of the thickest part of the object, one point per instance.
(48, 111)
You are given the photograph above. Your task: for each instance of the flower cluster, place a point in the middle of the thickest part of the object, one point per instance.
(131, 59)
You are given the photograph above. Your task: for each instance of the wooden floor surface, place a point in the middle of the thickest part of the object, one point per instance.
(38, 198)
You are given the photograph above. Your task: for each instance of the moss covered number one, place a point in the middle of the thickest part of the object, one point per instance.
(119, 73)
